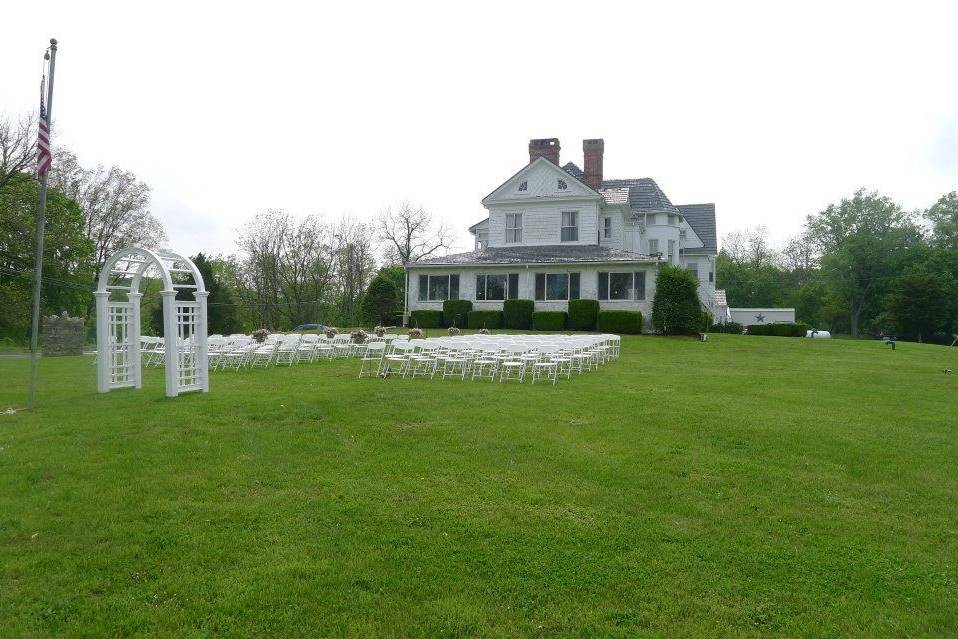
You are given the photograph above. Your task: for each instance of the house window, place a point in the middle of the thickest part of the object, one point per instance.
(513, 228)
(570, 226)
(497, 287)
(653, 247)
(694, 267)
(671, 220)
(557, 286)
(607, 228)
(622, 286)
(438, 288)
(562, 185)
(524, 186)
(671, 249)
(682, 234)
(711, 276)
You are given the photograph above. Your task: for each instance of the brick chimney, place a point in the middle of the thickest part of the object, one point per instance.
(547, 148)
(592, 151)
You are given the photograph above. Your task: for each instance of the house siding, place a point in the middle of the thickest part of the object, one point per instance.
(542, 222)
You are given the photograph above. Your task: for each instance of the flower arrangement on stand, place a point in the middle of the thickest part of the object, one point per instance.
(358, 336)
(380, 331)
(484, 331)
(453, 331)
(416, 332)
(260, 335)
(329, 331)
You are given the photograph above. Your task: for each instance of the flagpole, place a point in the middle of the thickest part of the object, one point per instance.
(38, 259)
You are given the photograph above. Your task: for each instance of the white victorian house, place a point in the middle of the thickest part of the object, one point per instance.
(556, 233)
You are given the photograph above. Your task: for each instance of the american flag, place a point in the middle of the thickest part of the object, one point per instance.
(44, 156)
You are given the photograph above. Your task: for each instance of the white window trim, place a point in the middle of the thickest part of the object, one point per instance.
(632, 299)
(574, 215)
(448, 277)
(607, 227)
(568, 287)
(485, 283)
(514, 228)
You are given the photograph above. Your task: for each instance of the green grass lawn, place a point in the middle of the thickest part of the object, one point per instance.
(747, 486)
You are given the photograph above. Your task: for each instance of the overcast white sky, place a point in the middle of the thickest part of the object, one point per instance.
(770, 110)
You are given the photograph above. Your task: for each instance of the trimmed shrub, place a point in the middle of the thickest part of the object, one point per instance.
(625, 322)
(454, 312)
(425, 319)
(778, 330)
(485, 319)
(732, 328)
(518, 314)
(583, 314)
(675, 308)
(379, 302)
(548, 320)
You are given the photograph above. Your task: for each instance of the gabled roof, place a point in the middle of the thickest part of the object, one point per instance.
(701, 217)
(537, 162)
(548, 254)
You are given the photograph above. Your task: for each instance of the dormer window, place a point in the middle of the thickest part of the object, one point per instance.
(524, 185)
(562, 185)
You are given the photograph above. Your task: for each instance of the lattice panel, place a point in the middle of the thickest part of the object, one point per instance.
(120, 347)
(187, 372)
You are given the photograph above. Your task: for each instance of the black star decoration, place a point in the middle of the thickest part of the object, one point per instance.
(760, 317)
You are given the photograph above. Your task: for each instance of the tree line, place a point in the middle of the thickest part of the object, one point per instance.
(862, 266)
(286, 270)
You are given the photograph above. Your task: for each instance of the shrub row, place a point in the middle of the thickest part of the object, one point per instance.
(778, 330)
(425, 319)
(518, 314)
(627, 322)
(733, 328)
(548, 320)
(455, 313)
(485, 319)
(583, 315)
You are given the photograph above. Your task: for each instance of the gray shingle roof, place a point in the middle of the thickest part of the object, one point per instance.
(550, 254)
(701, 217)
(574, 171)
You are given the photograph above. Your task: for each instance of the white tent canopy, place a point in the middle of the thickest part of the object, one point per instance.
(118, 320)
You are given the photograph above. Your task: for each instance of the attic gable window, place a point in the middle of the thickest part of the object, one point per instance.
(524, 185)
(562, 185)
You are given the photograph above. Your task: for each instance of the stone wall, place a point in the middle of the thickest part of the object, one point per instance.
(62, 335)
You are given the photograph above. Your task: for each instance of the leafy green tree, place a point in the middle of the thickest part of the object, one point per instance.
(221, 311)
(861, 240)
(67, 269)
(379, 302)
(675, 308)
(943, 216)
(918, 306)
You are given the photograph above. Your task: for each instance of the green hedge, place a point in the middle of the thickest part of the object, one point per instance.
(733, 328)
(778, 330)
(485, 319)
(425, 319)
(627, 322)
(454, 312)
(518, 314)
(583, 314)
(548, 320)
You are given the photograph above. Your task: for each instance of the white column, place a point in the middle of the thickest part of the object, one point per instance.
(171, 342)
(133, 333)
(199, 335)
(103, 356)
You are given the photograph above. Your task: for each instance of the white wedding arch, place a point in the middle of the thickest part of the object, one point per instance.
(118, 299)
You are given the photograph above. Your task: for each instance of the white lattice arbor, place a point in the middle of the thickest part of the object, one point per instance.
(118, 321)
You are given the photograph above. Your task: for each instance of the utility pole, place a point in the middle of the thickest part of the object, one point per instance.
(51, 55)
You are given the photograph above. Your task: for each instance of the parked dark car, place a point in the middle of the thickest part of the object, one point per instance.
(308, 327)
